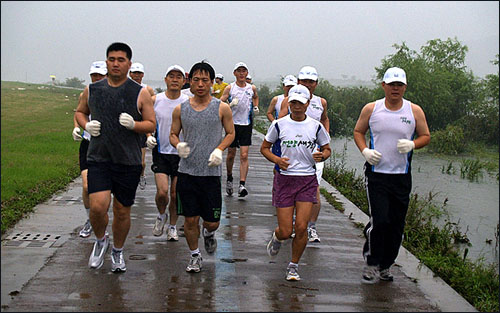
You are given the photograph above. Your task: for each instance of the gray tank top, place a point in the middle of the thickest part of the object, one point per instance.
(116, 144)
(203, 133)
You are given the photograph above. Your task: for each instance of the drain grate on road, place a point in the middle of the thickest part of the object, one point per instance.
(31, 240)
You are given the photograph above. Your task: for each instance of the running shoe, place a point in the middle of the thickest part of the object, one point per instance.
(370, 274)
(158, 228)
(385, 274)
(97, 256)
(229, 188)
(291, 273)
(86, 229)
(313, 235)
(242, 191)
(210, 242)
(142, 182)
(172, 234)
(117, 262)
(194, 265)
(274, 245)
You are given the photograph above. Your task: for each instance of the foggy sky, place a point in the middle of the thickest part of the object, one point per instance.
(340, 39)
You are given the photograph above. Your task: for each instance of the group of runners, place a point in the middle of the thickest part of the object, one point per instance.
(188, 131)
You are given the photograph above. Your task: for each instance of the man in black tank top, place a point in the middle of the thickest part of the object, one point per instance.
(121, 111)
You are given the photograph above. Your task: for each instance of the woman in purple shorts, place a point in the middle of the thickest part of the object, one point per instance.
(295, 184)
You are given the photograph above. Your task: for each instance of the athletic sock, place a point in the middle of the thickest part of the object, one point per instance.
(116, 250)
(162, 216)
(197, 251)
(172, 226)
(230, 177)
(311, 225)
(291, 264)
(88, 211)
(242, 183)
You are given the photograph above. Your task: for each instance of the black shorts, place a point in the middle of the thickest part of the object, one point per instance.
(84, 146)
(199, 196)
(122, 180)
(242, 136)
(165, 163)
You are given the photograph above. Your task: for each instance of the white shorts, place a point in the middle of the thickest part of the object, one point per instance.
(319, 171)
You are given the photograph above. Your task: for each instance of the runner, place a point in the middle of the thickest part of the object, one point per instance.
(97, 72)
(243, 97)
(219, 86)
(165, 156)
(295, 183)
(137, 74)
(124, 110)
(202, 119)
(317, 109)
(248, 79)
(393, 123)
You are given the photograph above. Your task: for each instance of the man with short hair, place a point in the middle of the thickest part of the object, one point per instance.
(317, 109)
(244, 102)
(393, 123)
(97, 72)
(219, 86)
(165, 156)
(201, 119)
(121, 111)
(137, 74)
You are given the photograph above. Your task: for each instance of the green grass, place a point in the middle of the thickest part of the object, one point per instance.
(39, 156)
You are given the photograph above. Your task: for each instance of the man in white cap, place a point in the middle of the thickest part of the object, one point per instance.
(244, 102)
(295, 183)
(317, 109)
(165, 156)
(137, 74)
(219, 86)
(274, 107)
(248, 79)
(97, 72)
(393, 122)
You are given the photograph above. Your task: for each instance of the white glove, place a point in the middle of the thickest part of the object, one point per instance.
(127, 121)
(93, 128)
(151, 142)
(405, 145)
(76, 134)
(256, 109)
(215, 158)
(234, 102)
(371, 156)
(183, 149)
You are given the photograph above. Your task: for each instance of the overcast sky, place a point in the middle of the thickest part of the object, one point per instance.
(42, 38)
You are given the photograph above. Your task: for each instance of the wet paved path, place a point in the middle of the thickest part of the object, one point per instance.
(52, 274)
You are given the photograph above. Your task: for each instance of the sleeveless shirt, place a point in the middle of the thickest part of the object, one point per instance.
(163, 109)
(242, 113)
(315, 108)
(115, 144)
(386, 128)
(277, 106)
(203, 132)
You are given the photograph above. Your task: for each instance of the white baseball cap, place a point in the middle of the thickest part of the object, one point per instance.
(395, 74)
(176, 68)
(300, 93)
(249, 77)
(240, 64)
(290, 80)
(219, 75)
(98, 67)
(308, 72)
(137, 67)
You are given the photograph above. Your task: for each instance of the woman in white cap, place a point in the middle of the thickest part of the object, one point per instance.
(295, 184)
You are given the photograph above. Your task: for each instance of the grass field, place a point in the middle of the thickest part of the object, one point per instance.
(39, 155)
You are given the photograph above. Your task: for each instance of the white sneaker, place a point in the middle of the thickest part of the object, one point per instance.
(158, 228)
(313, 235)
(97, 256)
(242, 191)
(370, 274)
(86, 229)
(194, 263)
(292, 274)
(172, 234)
(142, 182)
(117, 262)
(229, 187)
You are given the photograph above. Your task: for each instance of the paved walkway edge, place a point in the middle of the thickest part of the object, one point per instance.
(436, 290)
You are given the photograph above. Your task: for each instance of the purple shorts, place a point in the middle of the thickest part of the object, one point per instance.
(289, 189)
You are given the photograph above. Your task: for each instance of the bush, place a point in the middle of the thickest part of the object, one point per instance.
(448, 141)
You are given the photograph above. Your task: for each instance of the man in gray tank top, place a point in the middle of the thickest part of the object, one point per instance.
(201, 119)
(121, 112)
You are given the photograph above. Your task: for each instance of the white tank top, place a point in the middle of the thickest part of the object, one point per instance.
(386, 128)
(277, 107)
(242, 112)
(315, 108)
(164, 107)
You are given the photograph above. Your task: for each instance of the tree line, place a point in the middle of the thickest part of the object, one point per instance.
(460, 108)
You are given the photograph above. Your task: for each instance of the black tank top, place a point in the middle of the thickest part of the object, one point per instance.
(116, 144)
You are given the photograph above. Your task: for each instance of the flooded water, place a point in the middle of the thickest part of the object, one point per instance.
(473, 205)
